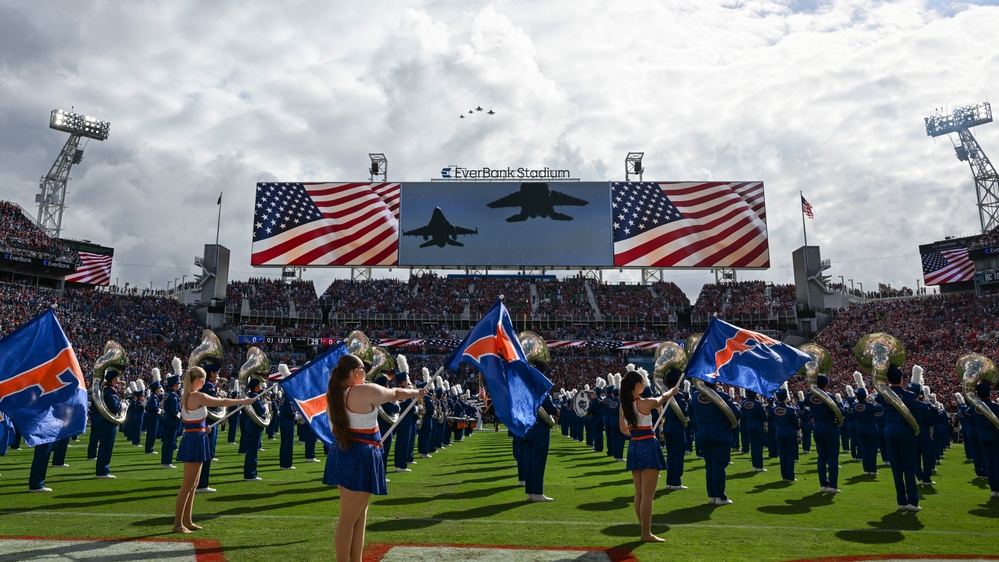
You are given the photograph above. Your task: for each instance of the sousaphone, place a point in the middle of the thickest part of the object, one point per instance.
(113, 358)
(535, 349)
(258, 367)
(669, 355)
(875, 353)
(210, 348)
(971, 369)
(819, 364)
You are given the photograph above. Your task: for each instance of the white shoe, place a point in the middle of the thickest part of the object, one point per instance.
(411, 462)
(712, 501)
(538, 498)
(397, 469)
(107, 476)
(824, 490)
(759, 470)
(995, 494)
(927, 483)
(40, 489)
(425, 456)
(60, 466)
(911, 507)
(832, 490)
(312, 460)
(167, 466)
(205, 490)
(214, 459)
(902, 507)
(254, 479)
(676, 487)
(719, 501)
(91, 458)
(522, 483)
(287, 468)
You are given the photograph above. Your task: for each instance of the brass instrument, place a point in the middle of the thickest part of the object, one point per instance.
(669, 355)
(875, 352)
(114, 358)
(381, 364)
(819, 364)
(689, 345)
(535, 349)
(258, 367)
(209, 349)
(359, 345)
(971, 369)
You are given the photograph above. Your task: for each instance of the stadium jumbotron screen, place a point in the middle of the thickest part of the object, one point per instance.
(510, 224)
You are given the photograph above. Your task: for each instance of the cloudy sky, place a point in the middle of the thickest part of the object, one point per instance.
(823, 97)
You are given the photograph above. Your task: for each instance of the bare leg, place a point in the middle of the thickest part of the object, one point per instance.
(636, 477)
(185, 499)
(649, 478)
(353, 511)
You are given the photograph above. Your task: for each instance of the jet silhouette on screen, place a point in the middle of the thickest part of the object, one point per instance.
(440, 231)
(537, 200)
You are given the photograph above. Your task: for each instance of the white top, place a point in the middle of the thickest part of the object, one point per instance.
(644, 420)
(194, 415)
(359, 420)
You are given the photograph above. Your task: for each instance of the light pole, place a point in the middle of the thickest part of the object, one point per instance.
(183, 281)
(851, 284)
(841, 281)
(861, 286)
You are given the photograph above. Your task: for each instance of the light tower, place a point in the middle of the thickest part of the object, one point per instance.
(52, 199)
(967, 149)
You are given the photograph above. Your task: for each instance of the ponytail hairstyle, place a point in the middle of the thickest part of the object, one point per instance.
(336, 405)
(628, 384)
(193, 374)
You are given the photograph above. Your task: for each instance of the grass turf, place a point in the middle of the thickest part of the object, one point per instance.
(468, 494)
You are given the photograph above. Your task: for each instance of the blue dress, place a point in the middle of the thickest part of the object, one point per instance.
(644, 451)
(360, 468)
(194, 439)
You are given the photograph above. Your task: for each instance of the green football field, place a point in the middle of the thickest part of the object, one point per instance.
(467, 494)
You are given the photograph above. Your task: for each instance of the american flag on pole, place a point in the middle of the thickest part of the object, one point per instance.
(95, 269)
(806, 208)
(947, 266)
(689, 224)
(348, 224)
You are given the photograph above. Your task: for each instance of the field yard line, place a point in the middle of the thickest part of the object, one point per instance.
(506, 522)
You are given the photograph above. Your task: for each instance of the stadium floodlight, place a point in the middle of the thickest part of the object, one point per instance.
(379, 166)
(633, 165)
(76, 124)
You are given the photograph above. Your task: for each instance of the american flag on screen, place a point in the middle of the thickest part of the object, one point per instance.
(95, 270)
(689, 224)
(947, 266)
(326, 224)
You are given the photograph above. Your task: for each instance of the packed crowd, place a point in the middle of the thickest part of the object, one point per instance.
(274, 294)
(20, 234)
(744, 298)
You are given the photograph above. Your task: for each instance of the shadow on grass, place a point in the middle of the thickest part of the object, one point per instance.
(777, 485)
(891, 529)
(614, 471)
(798, 506)
(691, 514)
(121, 494)
(396, 525)
(481, 511)
(989, 509)
(488, 479)
(616, 503)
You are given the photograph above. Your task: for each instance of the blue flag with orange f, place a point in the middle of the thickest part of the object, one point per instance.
(743, 358)
(515, 387)
(306, 388)
(41, 385)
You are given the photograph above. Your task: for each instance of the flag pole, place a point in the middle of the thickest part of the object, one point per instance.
(666, 406)
(406, 411)
(219, 224)
(805, 232)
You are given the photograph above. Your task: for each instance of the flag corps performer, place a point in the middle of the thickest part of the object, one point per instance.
(355, 465)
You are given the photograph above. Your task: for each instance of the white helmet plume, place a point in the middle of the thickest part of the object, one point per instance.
(849, 391)
(425, 373)
(859, 379)
(178, 367)
(402, 363)
(801, 396)
(284, 370)
(156, 375)
(917, 375)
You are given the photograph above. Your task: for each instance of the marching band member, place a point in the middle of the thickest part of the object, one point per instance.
(827, 438)
(152, 415)
(170, 421)
(645, 457)
(253, 433)
(673, 433)
(108, 431)
(864, 417)
(988, 436)
(596, 417)
(39, 468)
(133, 415)
(714, 436)
(354, 464)
(754, 413)
(900, 442)
(806, 422)
(211, 369)
(926, 419)
(426, 426)
(194, 445)
(785, 417)
(385, 420)
(615, 445)
(537, 440)
(59, 453)
(404, 439)
(287, 416)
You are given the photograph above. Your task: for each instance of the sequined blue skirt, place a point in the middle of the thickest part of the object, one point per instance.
(645, 453)
(193, 447)
(360, 468)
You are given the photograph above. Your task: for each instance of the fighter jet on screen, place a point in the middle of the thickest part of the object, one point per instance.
(440, 231)
(537, 200)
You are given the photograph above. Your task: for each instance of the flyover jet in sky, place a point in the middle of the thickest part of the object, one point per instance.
(440, 231)
(537, 200)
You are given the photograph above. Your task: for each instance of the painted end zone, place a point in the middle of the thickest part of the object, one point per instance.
(110, 548)
(406, 552)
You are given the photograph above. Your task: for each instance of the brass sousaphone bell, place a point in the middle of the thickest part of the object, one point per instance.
(113, 358)
(359, 346)
(669, 355)
(875, 353)
(258, 367)
(535, 349)
(972, 369)
(210, 348)
(381, 364)
(819, 364)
